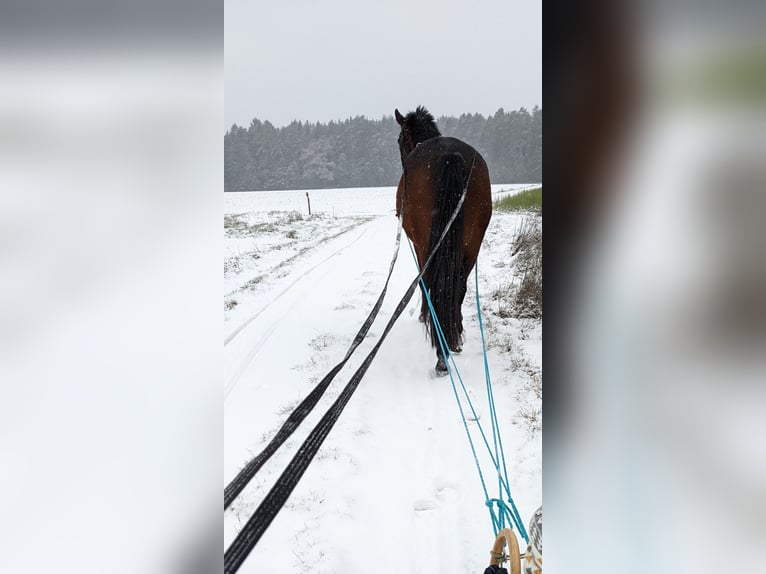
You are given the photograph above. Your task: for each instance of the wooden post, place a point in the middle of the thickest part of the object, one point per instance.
(308, 200)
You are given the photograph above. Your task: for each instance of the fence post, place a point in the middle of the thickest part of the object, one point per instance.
(308, 200)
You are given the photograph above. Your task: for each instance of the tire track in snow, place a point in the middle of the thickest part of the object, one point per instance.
(292, 284)
(258, 345)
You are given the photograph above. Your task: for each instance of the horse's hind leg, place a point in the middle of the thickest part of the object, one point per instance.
(424, 312)
(459, 313)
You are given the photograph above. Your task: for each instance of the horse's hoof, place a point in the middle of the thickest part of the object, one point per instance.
(457, 350)
(440, 369)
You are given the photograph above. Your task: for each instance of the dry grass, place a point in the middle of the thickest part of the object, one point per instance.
(527, 248)
(522, 297)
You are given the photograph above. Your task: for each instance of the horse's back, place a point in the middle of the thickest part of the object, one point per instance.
(438, 146)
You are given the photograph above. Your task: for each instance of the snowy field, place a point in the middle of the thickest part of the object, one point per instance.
(394, 487)
(351, 201)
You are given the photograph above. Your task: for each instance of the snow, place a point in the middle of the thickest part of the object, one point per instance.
(394, 488)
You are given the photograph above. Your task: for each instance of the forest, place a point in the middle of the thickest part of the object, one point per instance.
(360, 152)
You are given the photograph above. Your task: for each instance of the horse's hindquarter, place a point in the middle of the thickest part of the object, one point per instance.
(417, 188)
(477, 209)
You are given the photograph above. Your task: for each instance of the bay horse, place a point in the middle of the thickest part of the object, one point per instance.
(435, 171)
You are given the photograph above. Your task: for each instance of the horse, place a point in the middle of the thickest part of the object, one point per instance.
(435, 171)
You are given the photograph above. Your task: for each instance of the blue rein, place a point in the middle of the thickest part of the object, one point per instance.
(501, 513)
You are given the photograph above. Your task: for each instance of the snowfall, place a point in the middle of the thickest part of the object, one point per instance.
(395, 487)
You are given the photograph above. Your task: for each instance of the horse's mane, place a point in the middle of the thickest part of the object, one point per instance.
(421, 125)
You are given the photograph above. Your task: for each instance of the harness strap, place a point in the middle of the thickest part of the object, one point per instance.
(263, 516)
(250, 469)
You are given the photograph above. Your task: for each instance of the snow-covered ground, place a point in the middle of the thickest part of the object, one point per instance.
(394, 488)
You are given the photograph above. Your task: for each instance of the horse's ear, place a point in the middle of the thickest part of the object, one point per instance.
(399, 118)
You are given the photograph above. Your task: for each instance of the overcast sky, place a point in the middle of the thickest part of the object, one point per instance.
(322, 60)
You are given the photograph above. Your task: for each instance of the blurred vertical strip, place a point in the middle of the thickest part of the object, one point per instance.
(655, 147)
(111, 170)
(590, 79)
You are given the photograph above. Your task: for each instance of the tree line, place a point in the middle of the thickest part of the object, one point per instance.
(360, 152)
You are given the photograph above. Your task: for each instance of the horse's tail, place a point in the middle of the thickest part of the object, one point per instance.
(445, 273)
